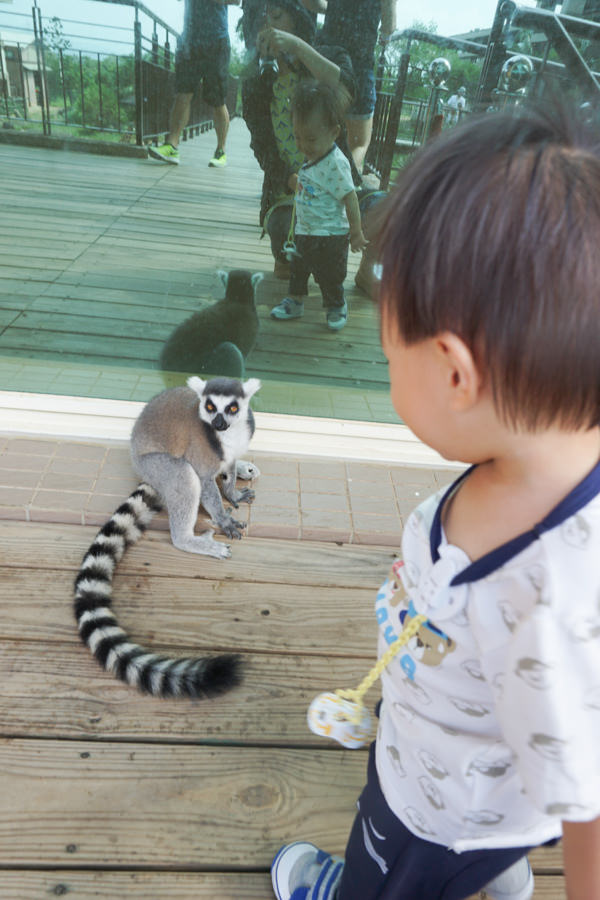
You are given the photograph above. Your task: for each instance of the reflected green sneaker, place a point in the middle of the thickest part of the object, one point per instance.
(165, 153)
(219, 160)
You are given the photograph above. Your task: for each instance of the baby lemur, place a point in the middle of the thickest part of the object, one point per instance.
(183, 440)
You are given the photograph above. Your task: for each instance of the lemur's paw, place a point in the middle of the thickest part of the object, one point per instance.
(233, 529)
(224, 551)
(246, 496)
(246, 470)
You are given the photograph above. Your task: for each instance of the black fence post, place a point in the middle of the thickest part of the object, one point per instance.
(39, 56)
(391, 132)
(139, 94)
(4, 80)
(61, 62)
(23, 89)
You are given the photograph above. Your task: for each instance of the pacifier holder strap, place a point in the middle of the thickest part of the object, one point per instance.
(290, 237)
(356, 696)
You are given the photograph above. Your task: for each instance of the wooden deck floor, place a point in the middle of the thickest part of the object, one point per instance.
(102, 257)
(107, 794)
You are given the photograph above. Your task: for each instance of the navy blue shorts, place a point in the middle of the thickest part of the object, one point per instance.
(208, 66)
(386, 861)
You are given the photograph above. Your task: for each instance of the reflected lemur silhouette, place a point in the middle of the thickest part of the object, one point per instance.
(183, 440)
(219, 337)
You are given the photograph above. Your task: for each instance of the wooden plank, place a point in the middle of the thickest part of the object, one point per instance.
(86, 803)
(18, 885)
(263, 560)
(90, 804)
(174, 885)
(201, 614)
(98, 315)
(55, 689)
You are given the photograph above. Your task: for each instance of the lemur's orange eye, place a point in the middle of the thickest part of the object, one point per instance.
(233, 408)
(210, 406)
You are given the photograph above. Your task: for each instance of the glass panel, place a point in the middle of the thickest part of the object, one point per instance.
(110, 255)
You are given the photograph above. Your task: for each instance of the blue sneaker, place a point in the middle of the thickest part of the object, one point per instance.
(515, 883)
(337, 316)
(301, 871)
(288, 309)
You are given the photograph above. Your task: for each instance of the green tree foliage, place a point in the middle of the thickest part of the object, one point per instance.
(465, 69)
(91, 90)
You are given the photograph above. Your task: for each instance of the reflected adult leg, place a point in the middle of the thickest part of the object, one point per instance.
(180, 114)
(365, 275)
(359, 137)
(221, 120)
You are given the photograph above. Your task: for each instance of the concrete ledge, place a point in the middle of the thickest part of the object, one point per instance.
(76, 145)
(82, 418)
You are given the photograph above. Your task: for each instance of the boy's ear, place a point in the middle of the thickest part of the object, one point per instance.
(460, 373)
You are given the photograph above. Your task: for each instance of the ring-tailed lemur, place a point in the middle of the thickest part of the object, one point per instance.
(182, 441)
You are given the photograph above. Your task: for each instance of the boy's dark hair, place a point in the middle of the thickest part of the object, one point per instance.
(311, 96)
(493, 233)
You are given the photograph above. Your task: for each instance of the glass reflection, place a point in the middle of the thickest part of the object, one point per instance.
(110, 259)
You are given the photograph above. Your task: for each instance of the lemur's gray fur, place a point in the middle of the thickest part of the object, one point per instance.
(182, 441)
(219, 337)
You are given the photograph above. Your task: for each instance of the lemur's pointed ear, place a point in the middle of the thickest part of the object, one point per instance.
(257, 278)
(196, 384)
(224, 276)
(251, 387)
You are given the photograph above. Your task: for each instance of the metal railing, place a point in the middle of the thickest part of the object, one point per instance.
(407, 105)
(125, 90)
(562, 64)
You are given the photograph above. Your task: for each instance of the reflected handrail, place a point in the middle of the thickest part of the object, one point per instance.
(140, 82)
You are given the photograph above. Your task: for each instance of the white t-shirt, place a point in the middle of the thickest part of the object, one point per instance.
(489, 731)
(322, 185)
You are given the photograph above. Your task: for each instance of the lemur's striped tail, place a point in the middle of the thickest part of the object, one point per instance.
(152, 673)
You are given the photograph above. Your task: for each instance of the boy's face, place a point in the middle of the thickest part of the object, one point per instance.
(437, 391)
(412, 385)
(314, 138)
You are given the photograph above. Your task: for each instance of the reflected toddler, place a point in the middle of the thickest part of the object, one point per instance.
(327, 215)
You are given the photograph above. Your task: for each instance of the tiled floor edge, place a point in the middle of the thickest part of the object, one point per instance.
(341, 501)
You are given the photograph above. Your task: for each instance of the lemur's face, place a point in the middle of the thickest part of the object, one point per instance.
(223, 402)
(221, 411)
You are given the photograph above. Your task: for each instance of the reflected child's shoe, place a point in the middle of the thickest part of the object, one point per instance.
(301, 871)
(165, 153)
(288, 309)
(337, 316)
(515, 883)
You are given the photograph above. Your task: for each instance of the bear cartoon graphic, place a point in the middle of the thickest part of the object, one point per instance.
(430, 645)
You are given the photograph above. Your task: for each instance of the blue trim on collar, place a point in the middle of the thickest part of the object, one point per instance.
(315, 162)
(579, 497)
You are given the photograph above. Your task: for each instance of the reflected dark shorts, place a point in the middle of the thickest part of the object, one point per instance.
(364, 98)
(208, 66)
